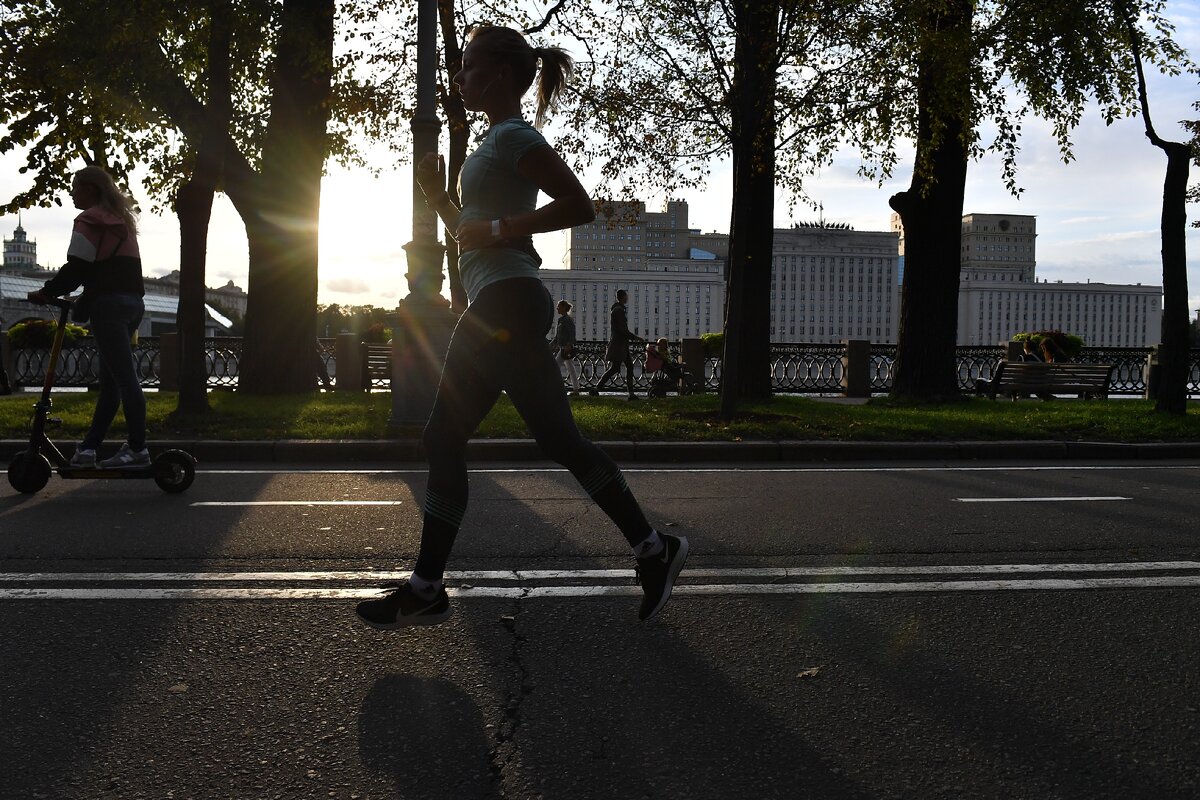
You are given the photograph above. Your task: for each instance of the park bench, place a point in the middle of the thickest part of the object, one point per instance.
(1018, 378)
(376, 364)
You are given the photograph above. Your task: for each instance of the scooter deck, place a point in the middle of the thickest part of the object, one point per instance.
(132, 471)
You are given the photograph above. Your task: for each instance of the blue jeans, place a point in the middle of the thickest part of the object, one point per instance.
(114, 319)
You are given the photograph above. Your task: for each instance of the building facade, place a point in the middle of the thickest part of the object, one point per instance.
(20, 254)
(673, 298)
(999, 293)
(831, 282)
(229, 298)
(991, 310)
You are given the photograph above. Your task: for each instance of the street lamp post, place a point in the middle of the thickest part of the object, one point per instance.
(424, 320)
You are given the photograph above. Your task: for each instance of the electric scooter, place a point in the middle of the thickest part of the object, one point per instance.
(29, 471)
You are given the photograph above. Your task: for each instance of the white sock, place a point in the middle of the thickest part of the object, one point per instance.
(652, 545)
(425, 588)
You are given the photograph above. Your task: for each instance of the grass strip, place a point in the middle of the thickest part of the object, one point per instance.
(331, 416)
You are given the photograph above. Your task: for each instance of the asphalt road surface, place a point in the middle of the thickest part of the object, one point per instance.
(872, 631)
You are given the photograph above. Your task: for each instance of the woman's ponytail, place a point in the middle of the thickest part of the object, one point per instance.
(557, 69)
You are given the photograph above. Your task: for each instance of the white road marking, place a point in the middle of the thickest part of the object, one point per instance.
(1056, 578)
(1034, 499)
(714, 573)
(538, 592)
(298, 503)
(748, 470)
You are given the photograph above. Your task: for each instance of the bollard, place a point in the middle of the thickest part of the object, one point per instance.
(347, 354)
(856, 368)
(1152, 372)
(691, 355)
(168, 362)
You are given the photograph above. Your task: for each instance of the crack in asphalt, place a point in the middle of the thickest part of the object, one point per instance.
(502, 753)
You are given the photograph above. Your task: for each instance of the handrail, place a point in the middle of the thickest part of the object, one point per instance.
(796, 367)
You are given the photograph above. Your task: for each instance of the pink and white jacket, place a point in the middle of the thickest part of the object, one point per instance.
(103, 257)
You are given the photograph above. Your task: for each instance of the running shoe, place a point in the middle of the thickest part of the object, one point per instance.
(403, 607)
(657, 574)
(84, 458)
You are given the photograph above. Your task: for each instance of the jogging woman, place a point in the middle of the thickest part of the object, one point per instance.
(499, 343)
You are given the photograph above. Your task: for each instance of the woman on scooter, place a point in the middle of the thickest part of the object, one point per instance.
(103, 257)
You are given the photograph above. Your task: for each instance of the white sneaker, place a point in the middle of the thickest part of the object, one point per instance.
(127, 457)
(83, 458)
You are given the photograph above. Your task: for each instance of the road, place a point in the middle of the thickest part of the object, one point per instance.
(907, 630)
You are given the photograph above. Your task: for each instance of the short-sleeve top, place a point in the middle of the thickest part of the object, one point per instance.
(490, 188)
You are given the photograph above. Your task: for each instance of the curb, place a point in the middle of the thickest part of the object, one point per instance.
(493, 450)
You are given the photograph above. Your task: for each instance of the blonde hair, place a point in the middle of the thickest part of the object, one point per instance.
(112, 199)
(508, 46)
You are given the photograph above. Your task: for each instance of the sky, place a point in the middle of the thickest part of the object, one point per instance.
(1097, 216)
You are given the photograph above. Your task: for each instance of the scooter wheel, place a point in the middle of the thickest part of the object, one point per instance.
(28, 472)
(174, 470)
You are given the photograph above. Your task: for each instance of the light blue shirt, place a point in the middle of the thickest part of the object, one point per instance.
(490, 188)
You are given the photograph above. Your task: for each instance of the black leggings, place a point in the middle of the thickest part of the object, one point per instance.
(499, 345)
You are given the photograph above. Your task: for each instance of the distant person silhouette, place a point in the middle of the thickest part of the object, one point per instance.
(619, 339)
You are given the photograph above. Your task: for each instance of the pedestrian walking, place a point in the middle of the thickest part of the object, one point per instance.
(619, 339)
(5, 386)
(103, 257)
(564, 342)
(499, 343)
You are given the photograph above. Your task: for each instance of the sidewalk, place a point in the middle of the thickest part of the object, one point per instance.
(494, 450)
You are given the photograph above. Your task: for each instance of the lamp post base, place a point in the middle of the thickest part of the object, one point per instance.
(420, 335)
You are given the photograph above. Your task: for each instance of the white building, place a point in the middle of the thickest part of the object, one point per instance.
(672, 298)
(991, 310)
(830, 282)
(999, 293)
(674, 274)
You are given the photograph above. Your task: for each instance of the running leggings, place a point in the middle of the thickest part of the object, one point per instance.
(499, 345)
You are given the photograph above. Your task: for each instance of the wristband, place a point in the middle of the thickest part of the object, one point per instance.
(495, 229)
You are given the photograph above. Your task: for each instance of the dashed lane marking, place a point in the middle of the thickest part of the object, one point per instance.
(1036, 499)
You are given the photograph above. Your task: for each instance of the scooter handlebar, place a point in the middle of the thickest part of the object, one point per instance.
(61, 302)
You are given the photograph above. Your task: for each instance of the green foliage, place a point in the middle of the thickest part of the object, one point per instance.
(39, 333)
(377, 333)
(1069, 343)
(713, 344)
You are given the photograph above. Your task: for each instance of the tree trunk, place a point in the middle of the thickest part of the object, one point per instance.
(193, 205)
(194, 208)
(277, 350)
(931, 209)
(1173, 354)
(746, 365)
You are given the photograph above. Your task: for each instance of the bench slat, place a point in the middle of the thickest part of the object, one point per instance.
(1020, 377)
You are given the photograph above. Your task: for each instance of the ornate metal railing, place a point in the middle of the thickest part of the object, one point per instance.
(806, 368)
(796, 368)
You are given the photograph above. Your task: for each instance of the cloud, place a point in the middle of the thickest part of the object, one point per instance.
(348, 286)
(1083, 220)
